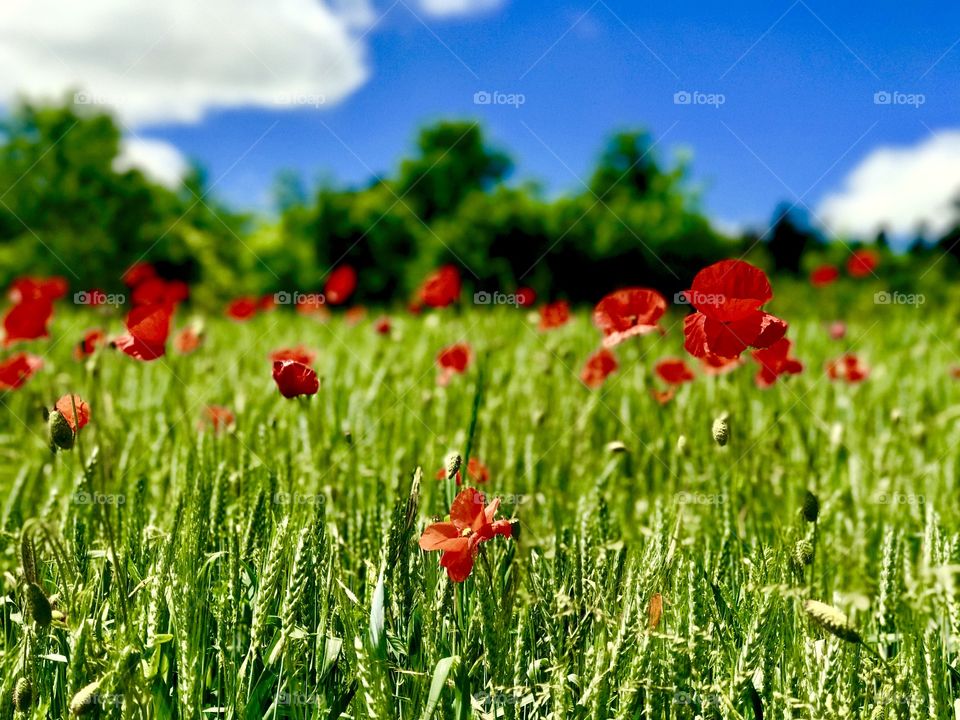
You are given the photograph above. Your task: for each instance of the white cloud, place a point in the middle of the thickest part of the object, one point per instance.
(176, 60)
(449, 8)
(900, 189)
(158, 160)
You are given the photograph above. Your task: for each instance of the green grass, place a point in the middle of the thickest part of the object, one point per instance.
(237, 574)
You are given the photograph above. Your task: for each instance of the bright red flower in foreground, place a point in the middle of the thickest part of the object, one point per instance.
(862, 263)
(628, 312)
(526, 296)
(674, 371)
(728, 296)
(459, 539)
(299, 354)
(716, 365)
(340, 285)
(775, 361)
(382, 325)
(218, 417)
(92, 339)
(476, 471)
(243, 308)
(452, 360)
(598, 367)
(824, 275)
(27, 320)
(663, 396)
(441, 288)
(554, 315)
(148, 327)
(838, 330)
(847, 367)
(187, 340)
(65, 407)
(17, 369)
(295, 379)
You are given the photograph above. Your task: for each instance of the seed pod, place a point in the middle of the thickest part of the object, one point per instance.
(452, 464)
(39, 605)
(832, 620)
(515, 529)
(22, 695)
(86, 699)
(811, 507)
(803, 553)
(721, 431)
(61, 434)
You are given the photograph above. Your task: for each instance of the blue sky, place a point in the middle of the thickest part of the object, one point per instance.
(798, 118)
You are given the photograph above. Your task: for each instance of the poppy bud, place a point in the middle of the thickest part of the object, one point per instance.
(803, 553)
(721, 431)
(22, 695)
(515, 529)
(39, 605)
(452, 464)
(811, 507)
(61, 434)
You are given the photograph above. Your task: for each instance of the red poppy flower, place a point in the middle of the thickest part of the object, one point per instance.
(775, 361)
(459, 539)
(628, 312)
(32, 288)
(355, 315)
(554, 315)
(598, 367)
(218, 417)
(187, 340)
(727, 296)
(838, 330)
(847, 367)
(266, 303)
(452, 360)
(663, 396)
(824, 275)
(243, 308)
(157, 291)
(476, 471)
(138, 273)
(65, 406)
(299, 354)
(148, 327)
(92, 339)
(441, 288)
(340, 285)
(295, 379)
(382, 325)
(862, 263)
(716, 365)
(674, 371)
(27, 320)
(17, 369)
(526, 297)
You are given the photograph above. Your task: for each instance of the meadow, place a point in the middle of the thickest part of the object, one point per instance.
(269, 567)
